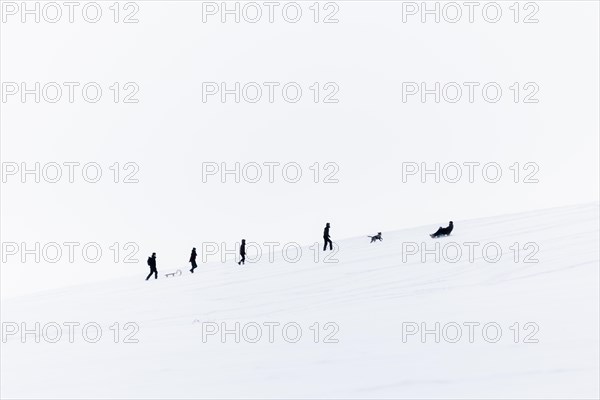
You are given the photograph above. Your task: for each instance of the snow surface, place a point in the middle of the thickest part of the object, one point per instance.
(369, 294)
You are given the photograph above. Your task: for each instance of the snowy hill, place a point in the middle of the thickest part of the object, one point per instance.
(371, 308)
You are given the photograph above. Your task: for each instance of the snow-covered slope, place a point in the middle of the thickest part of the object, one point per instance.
(371, 298)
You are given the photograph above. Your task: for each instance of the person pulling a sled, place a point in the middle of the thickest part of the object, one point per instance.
(152, 265)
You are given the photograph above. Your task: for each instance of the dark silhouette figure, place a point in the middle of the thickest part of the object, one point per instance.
(376, 237)
(152, 264)
(243, 252)
(326, 238)
(193, 260)
(443, 231)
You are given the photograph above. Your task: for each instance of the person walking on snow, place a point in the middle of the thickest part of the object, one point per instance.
(243, 252)
(193, 260)
(326, 238)
(152, 264)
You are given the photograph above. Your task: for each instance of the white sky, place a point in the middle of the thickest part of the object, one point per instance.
(369, 133)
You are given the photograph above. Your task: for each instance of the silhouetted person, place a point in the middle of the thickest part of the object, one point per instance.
(376, 237)
(243, 252)
(326, 238)
(193, 260)
(152, 264)
(443, 231)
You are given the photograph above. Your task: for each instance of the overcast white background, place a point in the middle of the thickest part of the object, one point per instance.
(369, 133)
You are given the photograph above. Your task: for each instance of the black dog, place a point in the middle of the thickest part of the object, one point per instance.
(443, 231)
(376, 237)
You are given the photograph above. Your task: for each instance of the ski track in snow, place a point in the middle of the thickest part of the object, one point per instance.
(368, 294)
